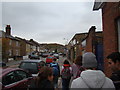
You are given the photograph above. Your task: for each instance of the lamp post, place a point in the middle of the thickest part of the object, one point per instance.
(66, 41)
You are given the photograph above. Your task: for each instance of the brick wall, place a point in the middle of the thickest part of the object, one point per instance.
(90, 40)
(110, 13)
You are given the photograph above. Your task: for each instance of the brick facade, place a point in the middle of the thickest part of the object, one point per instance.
(74, 46)
(110, 13)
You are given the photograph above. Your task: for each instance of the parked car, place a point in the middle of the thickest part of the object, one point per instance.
(34, 56)
(44, 55)
(13, 78)
(56, 55)
(32, 66)
(3, 64)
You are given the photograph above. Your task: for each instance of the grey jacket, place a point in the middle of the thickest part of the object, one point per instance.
(92, 79)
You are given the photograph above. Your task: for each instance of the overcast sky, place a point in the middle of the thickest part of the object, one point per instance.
(50, 22)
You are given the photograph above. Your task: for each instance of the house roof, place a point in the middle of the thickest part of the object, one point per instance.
(11, 37)
(34, 42)
(98, 4)
(24, 40)
(96, 32)
(4, 35)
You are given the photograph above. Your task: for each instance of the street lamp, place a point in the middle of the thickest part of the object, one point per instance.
(66, 41)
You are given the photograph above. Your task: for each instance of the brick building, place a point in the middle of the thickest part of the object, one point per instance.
(10, 45)
(25, 47)
(74, 45)
(85, 42)
(35, 45)
(93, 42)
(111, 28)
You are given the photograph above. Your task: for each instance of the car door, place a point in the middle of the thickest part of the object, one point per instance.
(24, 79)
(16, 79)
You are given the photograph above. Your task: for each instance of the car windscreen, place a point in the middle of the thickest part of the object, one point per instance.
(30, 66)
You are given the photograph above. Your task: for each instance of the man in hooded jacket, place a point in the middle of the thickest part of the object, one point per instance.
(91, 78)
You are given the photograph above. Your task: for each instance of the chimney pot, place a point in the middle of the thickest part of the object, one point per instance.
(8, 30)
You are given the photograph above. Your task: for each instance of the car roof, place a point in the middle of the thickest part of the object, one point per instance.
(8, 69)
(33, 60)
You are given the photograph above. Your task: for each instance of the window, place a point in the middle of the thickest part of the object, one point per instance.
(17, 43)
(17, 52)
(118, 23)
(14, 76)
(21, 75)
(74, 41)
(29, 65)
(32, 67)
(42, 64)
(10, 52)
(8, 79)
(10, 43)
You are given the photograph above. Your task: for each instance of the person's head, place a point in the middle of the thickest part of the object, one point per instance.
(78, 60)
(45, 73)
(89, 61)
(54, 59)
(66, 62)
(114, 61)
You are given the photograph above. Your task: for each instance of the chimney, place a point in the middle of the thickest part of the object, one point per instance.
(8, 30)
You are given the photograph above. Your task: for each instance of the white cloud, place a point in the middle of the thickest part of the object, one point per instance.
(49, 21)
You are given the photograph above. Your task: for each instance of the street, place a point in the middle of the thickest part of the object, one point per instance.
(14, 64)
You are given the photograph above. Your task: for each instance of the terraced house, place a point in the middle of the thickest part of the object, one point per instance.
(10, 45)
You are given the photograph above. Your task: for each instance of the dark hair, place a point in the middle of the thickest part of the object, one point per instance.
(54, 59)
(78, 60)
(66, 62)
(43, 75)
(115, 56)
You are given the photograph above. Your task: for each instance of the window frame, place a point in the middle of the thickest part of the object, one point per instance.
(118, 29)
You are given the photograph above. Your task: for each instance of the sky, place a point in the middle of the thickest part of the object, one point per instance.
(50, 22)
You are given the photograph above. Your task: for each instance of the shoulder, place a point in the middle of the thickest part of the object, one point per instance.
(115, 76)
(78, 83)
(70, 68)
(109, 83)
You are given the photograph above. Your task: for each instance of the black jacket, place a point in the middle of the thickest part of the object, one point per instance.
(116, 79)
(45, 84)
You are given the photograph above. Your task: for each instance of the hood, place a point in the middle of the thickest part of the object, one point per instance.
(93, 78)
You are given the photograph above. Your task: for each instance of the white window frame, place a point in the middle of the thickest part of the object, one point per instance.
(10, 43)
(17, 43)
(118, 23)
(10, 52)
(74, 41)
(17, 52)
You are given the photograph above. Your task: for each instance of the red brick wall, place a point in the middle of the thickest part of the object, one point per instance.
(110, 13)
(90, 40)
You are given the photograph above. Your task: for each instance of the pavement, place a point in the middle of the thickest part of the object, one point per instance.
(13, 63)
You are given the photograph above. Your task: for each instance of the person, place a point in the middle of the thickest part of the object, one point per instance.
(114, 64)
(56, 72)
(77, 67)
(91, 78)
(66, 74)
(43, 80)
